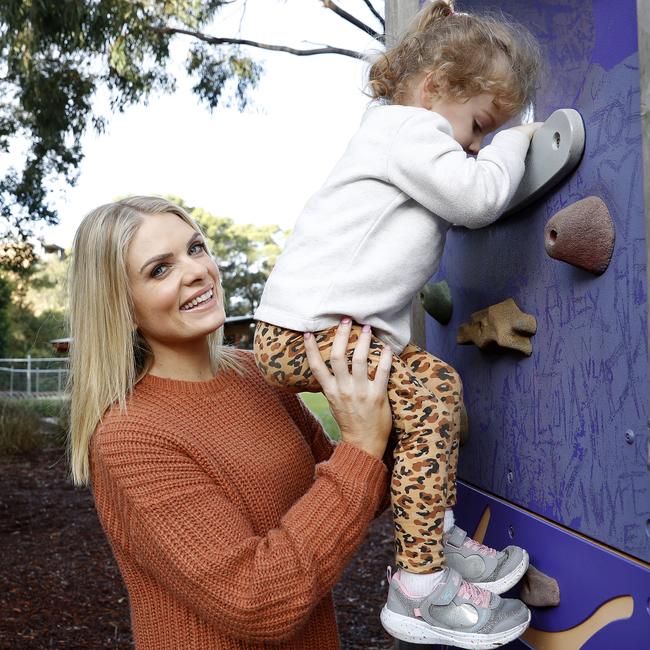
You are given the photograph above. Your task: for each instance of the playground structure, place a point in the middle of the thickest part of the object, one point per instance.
(557, 455)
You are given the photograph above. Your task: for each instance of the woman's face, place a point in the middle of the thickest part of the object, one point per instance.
(174, 283)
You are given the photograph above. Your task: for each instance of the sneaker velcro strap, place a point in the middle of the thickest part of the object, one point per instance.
(456, 536)
(445, 590)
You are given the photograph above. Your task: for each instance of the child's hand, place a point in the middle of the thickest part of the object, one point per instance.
(528, 129)
(359, 404)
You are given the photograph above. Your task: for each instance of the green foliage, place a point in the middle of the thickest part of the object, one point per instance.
(5, 305)
(317, 403)
(56, 54)
(19, 427)
(245, 254)
(35, 313)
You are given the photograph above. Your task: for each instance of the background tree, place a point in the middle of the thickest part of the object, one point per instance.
(56, 54)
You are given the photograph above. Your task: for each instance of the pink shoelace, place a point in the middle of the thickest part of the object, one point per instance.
(474, 594)
(479, 548)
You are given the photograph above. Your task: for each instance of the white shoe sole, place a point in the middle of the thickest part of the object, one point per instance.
(509, 581)
(415, 630)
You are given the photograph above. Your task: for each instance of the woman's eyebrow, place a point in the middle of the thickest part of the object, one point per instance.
(156, 258)
(164, 256)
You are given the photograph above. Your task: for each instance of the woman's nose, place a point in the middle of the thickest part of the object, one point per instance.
(195, 269)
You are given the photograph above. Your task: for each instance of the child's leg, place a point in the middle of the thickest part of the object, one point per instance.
(280, 355)
(445, 383)
(419, 480)
(494, 570)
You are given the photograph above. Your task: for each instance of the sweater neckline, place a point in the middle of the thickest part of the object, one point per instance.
(158, 384)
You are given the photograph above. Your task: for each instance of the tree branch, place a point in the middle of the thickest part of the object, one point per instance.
(328, 4)
(375, 13)
(215, 40)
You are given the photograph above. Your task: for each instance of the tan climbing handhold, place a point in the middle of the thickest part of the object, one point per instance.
(503, 325)
(582, 234)
(538, 589)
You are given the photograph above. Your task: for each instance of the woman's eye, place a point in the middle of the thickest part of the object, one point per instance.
(197, 247)
(159, 270)
(477, 127)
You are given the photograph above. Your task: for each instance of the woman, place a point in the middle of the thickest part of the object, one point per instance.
(230, 513)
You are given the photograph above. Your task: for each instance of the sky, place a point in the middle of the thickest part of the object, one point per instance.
(256, 167)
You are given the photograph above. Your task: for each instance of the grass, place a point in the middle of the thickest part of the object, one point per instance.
(22, 426)
(318, 405)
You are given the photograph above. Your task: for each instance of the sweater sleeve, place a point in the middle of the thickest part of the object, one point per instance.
(184, 529)
(321, 445)
(427, 164)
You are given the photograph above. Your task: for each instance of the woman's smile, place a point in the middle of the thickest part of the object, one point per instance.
(204, 300)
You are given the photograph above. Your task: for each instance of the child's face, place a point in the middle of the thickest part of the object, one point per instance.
(471, 119)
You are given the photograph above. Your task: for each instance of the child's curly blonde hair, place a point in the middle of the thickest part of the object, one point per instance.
(468, 55)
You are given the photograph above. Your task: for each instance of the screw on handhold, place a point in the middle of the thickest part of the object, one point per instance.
(511, 532)
(510, 477)
(436, 300)
(582, 234)
(629, 436)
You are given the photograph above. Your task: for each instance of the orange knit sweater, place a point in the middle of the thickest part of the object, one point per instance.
(230, 513)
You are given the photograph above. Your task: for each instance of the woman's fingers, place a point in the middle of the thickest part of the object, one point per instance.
(360, 355)
(338, 355)
(316, 363)
(383, 369)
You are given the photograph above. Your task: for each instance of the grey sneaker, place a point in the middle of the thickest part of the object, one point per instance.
(484, 566)
(455, 613)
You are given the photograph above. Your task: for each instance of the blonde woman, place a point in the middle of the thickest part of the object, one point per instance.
(229, 512)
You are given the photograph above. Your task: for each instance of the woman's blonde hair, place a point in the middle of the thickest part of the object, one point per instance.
(108, 355)
(468, 54)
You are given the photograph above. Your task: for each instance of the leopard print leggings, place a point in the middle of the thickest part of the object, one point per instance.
(425, 395)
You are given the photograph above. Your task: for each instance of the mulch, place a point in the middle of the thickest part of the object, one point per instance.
(60, 586)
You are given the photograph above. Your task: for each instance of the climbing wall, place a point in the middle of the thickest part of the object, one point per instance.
(563, 432)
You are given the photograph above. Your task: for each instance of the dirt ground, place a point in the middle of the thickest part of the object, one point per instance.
(60, 586)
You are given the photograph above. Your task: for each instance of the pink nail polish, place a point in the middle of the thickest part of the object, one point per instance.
(307, 335)
(366, 328)
(346, 320)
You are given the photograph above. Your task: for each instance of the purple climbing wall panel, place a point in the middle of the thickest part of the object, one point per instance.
(564, 432)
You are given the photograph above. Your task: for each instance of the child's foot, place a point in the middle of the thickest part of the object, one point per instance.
(484, 566)
(455, 613)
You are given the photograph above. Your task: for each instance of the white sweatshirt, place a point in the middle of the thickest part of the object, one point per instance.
(373, 235)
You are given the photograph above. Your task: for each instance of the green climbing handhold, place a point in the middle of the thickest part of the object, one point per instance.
(436, 300)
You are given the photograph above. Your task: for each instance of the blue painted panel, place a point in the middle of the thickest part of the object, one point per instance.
(548, 432)
(588, 575)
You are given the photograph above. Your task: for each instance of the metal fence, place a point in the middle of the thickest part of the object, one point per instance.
(33, 376)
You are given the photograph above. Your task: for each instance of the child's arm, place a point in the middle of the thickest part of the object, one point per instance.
(427, 164)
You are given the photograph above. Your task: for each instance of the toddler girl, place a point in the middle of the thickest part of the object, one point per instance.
(365, 244)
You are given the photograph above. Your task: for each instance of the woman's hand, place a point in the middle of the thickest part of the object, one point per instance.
(359, 404)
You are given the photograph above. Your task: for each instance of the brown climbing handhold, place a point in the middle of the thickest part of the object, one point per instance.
(538, 589)
(464, 425)
(504, 325)
(582, 234)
